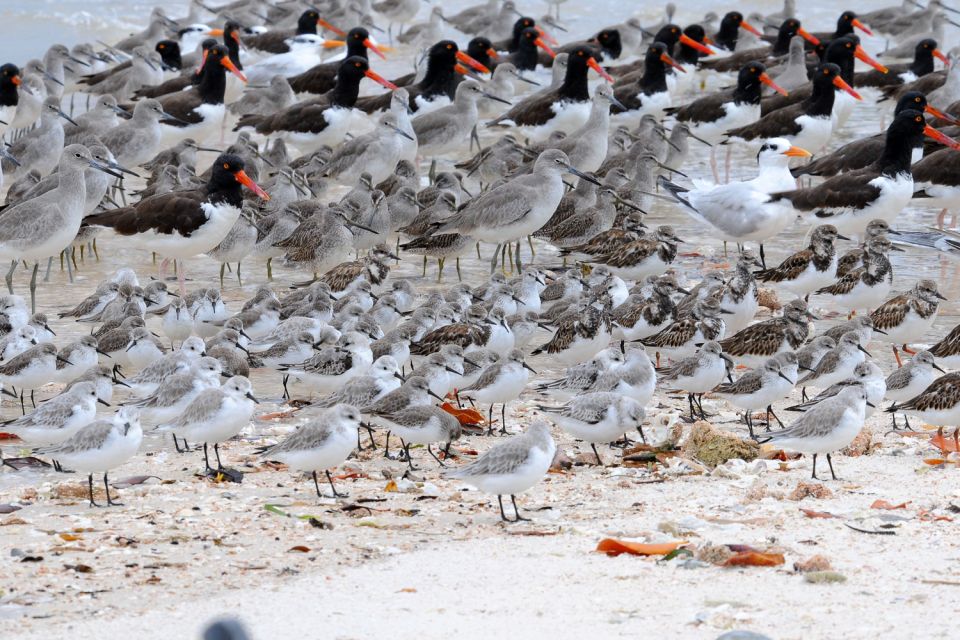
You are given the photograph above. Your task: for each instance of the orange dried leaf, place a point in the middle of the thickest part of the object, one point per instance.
(754, 559)
(935, 461)
(300, 548)
(464, 416)
(69, 537)
(926, 516)
(407, 590)
(944, 444)
(614, 547)
(810, 513)
(391, 486)
(886, 506)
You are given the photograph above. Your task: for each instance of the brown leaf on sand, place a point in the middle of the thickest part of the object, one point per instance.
(886, 506)
(614, 547)
(862, 444)
(809, 489)
(945, 444)
(300, 548)
(754, 559)
(810, 513)
(813, 563)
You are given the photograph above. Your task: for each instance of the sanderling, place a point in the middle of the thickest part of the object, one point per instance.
(862, 325)
(31, 370)
(501, 382)
(176, 321)
(838, 364)
(697, 374)
(867, 286)
(704, 323)
(579, 336)
(828, 426)
(579, 378)
(177, 391)
(947, 351)
(60, 417)
(754, 344)
(755, 390)
(906, 317)
(910, 380)
(511, 467)
(597, 417)
(100, 446)
(215, 415)
(422, 424)
(867, 375)
(323, 442)
(81, 354)
(809, 269)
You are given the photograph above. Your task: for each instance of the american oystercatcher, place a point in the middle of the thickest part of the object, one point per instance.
(881, 190)
(650, 93)
(324, 120)
(807, 125)
(565, 108)
(322, 77)
(276, 41)
(181, 224)
(780, 46)
(730, 25)
(863, 152)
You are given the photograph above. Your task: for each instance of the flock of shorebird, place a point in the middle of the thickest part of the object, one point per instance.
(574, 157)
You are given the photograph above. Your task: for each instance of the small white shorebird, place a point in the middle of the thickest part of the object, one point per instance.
(597, 417)
(906, 317)
(910, 380)
(216, 415)
(698, 374)
(501, 382)
(422, 424)
(829, 426)
(320, 444)
(511, 467)
(755, 390)
(99, 447)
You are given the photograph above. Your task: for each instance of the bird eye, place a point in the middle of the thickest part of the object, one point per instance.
(226, 165)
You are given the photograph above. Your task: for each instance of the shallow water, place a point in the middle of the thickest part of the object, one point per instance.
(69, 21)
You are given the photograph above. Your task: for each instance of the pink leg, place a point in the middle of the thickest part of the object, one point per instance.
(713, 164)
(940, 218)
(729, 152)
(163, 268)
(181, 278)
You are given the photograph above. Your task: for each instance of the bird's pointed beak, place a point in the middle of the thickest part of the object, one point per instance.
(593, 64)
(490, 96)
(546, 36)
(333, 44)
(861, 348)
(941, 137)
(67, 118)
(369, 44)
(693, 44)
(797, 152)
(329, 27)
(746, 26)
(840, 83)
(380, 80)
(809, 37)
(784, 376)
(17, 81)
(529, 368)
(252, 397)
(673, 63)
(494, 55)
(228, 63)
(99, 167)
(859, 25)
(543, 45)
(767, 80)
(862, 55)
(936, 53)
(103, 402)
(245, 180)
(471, 62)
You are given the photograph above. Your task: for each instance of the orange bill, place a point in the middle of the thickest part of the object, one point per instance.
(333, 44)
(936, 113)
(329, 27)
(543, 45)
(840, 83)
(797, 152)
(16, 80)
(862, 27)
(493, 53)
(368, 43)
(546, 36)
(203, 61)
(215, 32)
(380, 80)
(767, 80)
(749, 27)
(462, 70)
(941, 137)
(245, 180)
(228, 63)
(470, 62)
(693, 44)
(939, 54)
(809, 37)
(862, 55)
(670, 61)
(593, 64)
